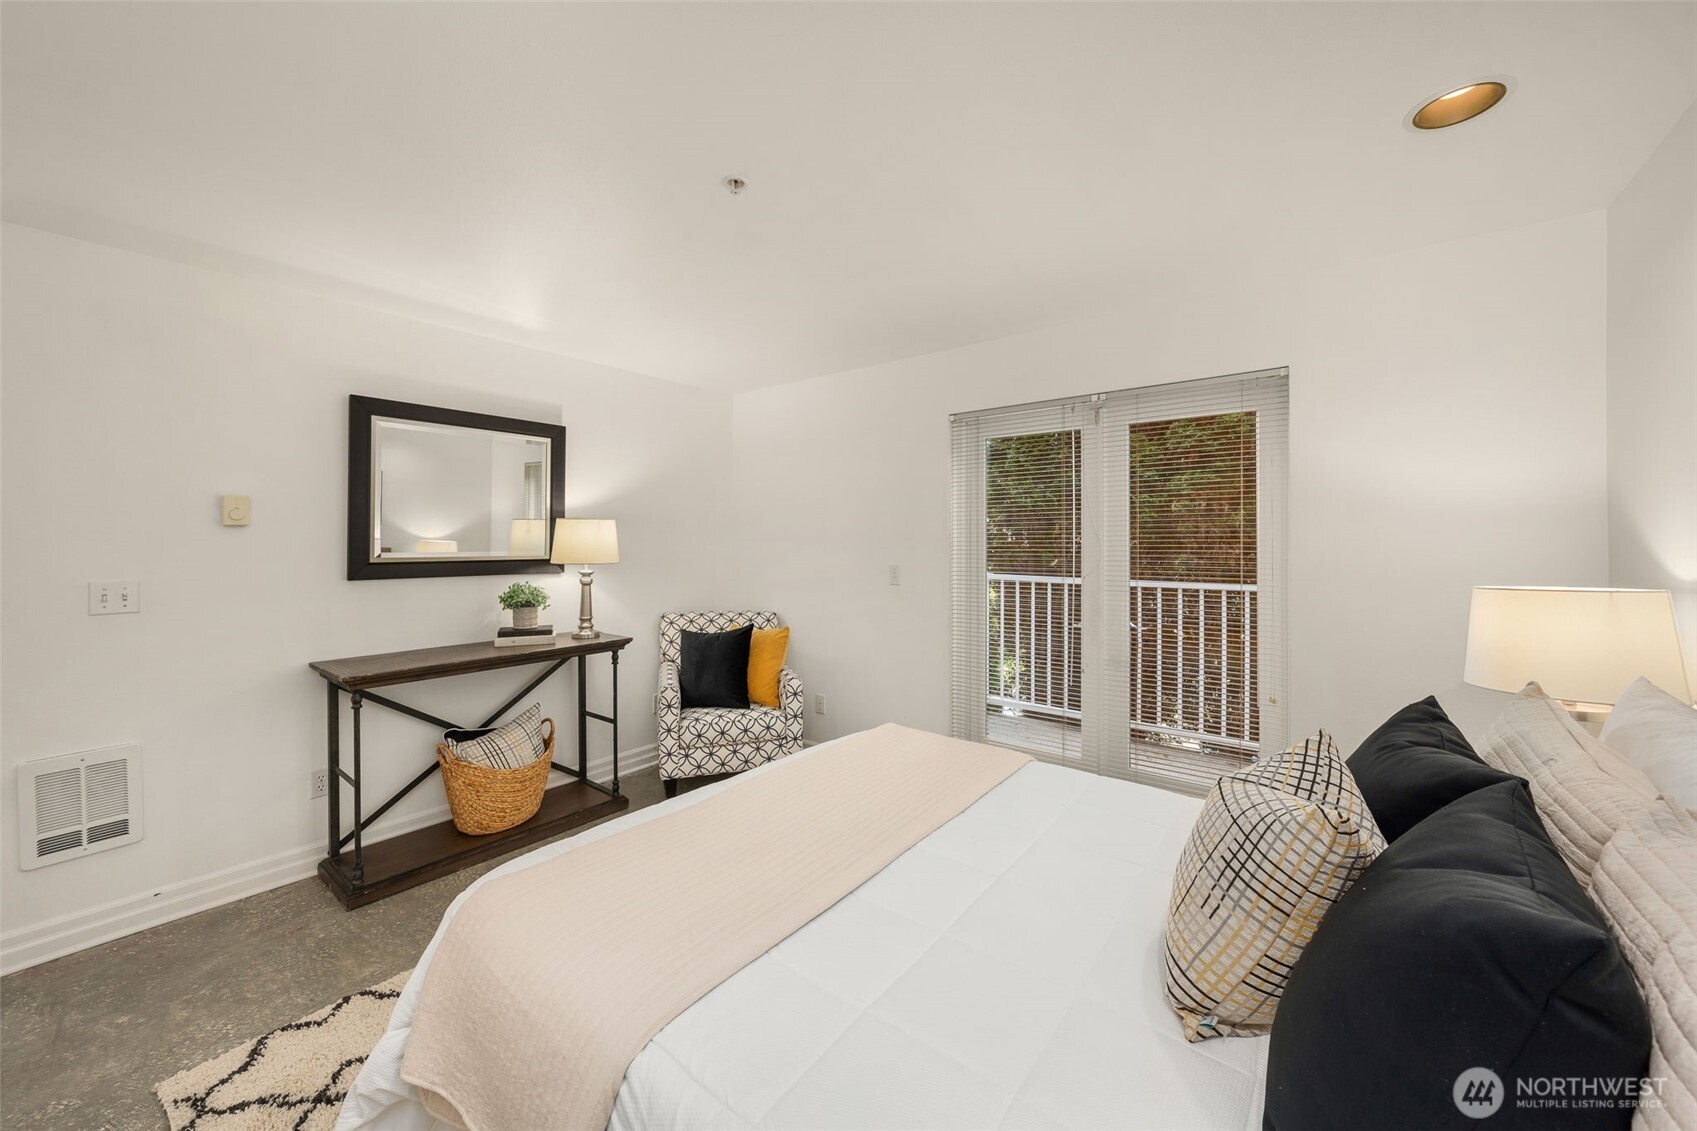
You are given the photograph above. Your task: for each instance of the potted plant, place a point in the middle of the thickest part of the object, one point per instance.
(524, 599)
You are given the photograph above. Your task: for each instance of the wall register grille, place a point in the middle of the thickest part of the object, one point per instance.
(76, 804)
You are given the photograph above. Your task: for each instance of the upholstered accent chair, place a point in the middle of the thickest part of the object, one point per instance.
(720, 740)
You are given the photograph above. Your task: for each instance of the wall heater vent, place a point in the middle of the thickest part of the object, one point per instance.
(77, 804)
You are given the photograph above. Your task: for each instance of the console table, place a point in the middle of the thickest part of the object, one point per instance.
(388, 866)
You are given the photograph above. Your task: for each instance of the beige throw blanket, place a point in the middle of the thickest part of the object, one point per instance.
(549, 981)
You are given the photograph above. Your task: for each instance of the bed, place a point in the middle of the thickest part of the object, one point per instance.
(1005, 971)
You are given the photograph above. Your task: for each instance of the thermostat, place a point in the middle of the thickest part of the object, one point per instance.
(236, 510)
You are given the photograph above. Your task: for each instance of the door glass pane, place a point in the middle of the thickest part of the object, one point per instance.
(1032, 550)
(1193, 600)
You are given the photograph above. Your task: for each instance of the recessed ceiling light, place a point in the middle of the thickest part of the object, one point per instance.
(1459, 105)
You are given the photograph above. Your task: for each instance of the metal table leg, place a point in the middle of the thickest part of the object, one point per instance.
(333, 779)
(359, 835)
(583, 718)
(615, 721)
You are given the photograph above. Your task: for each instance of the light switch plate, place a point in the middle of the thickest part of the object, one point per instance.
(236, 509)
(106, 598)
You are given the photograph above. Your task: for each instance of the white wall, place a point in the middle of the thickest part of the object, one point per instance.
(1652, 379)
(136, 391)
(1446, 431)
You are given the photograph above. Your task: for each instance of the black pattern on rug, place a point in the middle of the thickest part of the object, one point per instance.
(294, 1077)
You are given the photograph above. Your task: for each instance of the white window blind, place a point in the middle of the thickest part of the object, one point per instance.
(1119, 578)
(1018, 605)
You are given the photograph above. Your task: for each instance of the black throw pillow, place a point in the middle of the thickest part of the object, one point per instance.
(1414, 765)
(713, 668)
(1466, 945)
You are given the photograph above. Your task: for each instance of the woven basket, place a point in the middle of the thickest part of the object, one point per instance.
(486, 800)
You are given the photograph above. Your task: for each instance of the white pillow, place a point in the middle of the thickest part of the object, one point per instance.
(1658, 734)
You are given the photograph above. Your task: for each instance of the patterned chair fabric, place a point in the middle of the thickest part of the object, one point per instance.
(720, 740)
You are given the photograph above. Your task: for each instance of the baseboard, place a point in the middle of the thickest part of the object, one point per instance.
(630, 762)
(55, 938)
(67, 934)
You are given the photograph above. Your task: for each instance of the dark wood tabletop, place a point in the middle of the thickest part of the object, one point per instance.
(357, 673)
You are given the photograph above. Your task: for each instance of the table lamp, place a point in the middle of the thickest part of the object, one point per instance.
(1583, 646)
(585, 542)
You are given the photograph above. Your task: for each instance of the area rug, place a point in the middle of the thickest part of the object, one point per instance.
(291, 1079)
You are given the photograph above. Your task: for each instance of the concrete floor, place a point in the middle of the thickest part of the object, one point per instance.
(84, 1038)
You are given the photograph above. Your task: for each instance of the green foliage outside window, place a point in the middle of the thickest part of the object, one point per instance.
(1192, 501)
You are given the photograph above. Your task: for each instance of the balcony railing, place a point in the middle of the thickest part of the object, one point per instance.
(1034, 644)
(1191, 662)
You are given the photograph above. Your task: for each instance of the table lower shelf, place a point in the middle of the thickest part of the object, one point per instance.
(422, 855)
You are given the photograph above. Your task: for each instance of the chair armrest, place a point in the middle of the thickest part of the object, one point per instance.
(670, 699)
(791, 700)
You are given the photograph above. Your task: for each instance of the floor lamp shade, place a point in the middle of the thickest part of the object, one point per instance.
(585, 541)
(1582, 646)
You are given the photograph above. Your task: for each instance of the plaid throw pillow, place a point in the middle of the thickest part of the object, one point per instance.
(1276, 845)
(510, 747)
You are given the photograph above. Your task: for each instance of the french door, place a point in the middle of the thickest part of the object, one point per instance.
(1118, 578)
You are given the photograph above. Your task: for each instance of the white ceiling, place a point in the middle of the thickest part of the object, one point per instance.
(920, 176)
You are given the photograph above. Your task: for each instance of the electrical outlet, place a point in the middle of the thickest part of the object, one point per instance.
(818, 702)
(108, 597)
(320, 784)
(656, 707)
(895, 575)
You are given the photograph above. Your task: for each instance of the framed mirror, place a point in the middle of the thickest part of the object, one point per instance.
(435, 492)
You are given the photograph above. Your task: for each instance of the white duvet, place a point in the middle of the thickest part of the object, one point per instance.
(1004, 972)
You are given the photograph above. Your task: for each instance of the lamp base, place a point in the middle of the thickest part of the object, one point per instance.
(585, 608)
(1590, 716)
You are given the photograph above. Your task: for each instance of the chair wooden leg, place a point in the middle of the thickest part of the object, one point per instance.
(671, 785)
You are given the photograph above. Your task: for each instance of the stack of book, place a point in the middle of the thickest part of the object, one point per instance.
(537, 636)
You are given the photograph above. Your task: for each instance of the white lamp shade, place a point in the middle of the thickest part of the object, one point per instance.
(437, 546)
(585, 541)
(529, 538)
(1581, 645)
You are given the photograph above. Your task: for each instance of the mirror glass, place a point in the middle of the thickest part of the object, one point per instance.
(442, 492)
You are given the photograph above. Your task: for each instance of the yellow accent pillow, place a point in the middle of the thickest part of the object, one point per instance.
(765, 660)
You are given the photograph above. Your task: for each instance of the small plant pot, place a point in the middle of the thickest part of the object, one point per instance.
(524, 617)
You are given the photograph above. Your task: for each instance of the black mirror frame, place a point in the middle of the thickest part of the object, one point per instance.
(360, 412)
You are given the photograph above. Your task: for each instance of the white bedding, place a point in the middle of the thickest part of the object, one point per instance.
(1004, 972)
